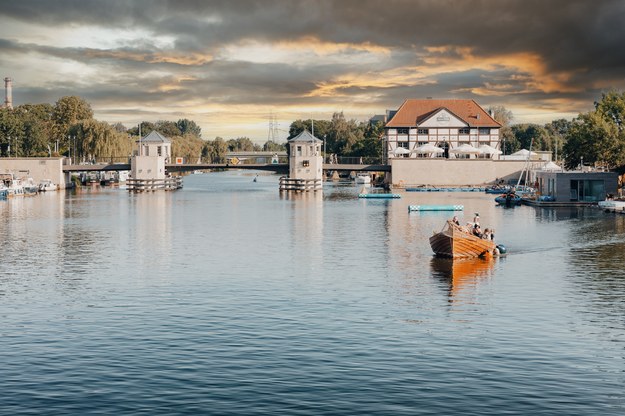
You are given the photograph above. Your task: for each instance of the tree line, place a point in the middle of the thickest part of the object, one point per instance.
(68, 128)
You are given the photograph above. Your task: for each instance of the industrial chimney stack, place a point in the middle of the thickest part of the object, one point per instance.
(8, 93)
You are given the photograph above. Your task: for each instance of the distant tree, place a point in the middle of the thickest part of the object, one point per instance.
(557, 131)
(67, 112)
(595, 140)
(142, 129)
(119, 127)
(502, 115)
(167, 128)
(612, 108)
(320, 127)
(11, 132)
(187, 126)
(271, 146)
(532, 134)
(215, 151)
(99, 140)
(242, 144)
(188, 146)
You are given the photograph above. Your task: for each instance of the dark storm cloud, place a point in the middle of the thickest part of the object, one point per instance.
(569, 35)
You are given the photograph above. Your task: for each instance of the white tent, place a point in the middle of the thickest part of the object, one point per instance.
(401, 151)
(489, 150)
(428, 148)
(523, 153)
(551, 166)
(466, 149)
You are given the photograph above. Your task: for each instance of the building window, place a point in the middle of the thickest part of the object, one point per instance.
(402, 144)
(422, 131)
(464, 131)
(306, 163)
(299, 150)
(402, 130)
(483, 130)
(159, 151)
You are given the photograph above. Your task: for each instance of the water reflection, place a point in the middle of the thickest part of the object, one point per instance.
(596, 266)
(462, 276)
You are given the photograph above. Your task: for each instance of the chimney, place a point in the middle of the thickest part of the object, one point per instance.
(8, 93)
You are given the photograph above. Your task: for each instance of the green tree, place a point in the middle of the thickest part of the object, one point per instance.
(532, 134)
(215, 151)
(594, 140)
(67, 112)
(188, 146)
(612, 108)
(271, 146)
(242, 144)
(187, 126)
(167, 128)
(11, 132)
(100, 140)
(557, 131)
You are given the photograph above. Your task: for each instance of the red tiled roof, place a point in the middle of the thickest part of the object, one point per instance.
(413, 112)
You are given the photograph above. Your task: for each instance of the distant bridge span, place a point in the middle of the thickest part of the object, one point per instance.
(189, 167)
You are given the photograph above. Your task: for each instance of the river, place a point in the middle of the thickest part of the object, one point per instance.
(227, 297)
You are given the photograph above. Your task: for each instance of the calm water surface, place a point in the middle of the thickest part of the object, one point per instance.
(228, 298)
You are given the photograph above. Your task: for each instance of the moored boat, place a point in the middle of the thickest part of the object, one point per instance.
(362, 178)
(46, 185)
(497, 189)
(455, 241)
(509, 199)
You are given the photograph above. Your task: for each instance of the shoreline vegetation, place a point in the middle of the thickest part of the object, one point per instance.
(68, 128)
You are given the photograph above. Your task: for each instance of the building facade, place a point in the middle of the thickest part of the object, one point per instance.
(446, 124)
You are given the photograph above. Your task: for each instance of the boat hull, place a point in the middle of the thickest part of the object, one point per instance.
(454, 243)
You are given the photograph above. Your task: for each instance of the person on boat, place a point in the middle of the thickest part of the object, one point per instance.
(476, 219)
(455, 220)
(486, 234)
(477, 231)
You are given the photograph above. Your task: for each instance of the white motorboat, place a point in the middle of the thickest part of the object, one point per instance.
(30, 187)
(612, 204)
(16, 188)
(46, 185)
(362, 179)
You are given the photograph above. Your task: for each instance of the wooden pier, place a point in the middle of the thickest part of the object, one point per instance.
(150, 185)
(300, 185)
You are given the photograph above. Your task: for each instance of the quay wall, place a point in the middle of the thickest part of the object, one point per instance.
(37, 168)
(407, 172)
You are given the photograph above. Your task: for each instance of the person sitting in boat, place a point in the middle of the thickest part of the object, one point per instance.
(455, 220)
(477, 231)
(486, 234)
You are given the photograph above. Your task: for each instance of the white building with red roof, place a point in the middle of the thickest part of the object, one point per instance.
(447, 124)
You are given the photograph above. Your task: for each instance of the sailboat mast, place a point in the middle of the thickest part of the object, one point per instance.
(526, 167)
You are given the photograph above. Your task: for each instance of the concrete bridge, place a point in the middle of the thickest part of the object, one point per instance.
(189, 167)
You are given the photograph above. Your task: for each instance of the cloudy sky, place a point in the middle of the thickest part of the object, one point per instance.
(231, 65)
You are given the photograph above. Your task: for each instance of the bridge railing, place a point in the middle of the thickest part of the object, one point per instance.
(329, 159)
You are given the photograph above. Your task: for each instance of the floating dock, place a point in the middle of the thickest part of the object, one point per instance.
(379, 196)
(435, 208)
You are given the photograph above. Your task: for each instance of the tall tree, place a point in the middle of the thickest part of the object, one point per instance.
(67, 112)
(187, 126)
(215, 151)
(11, 132)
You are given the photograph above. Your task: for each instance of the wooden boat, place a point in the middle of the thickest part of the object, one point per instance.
(455, 241)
